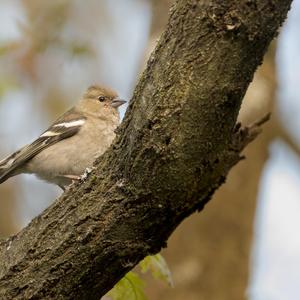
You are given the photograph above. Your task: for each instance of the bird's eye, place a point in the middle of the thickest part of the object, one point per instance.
(101, 98)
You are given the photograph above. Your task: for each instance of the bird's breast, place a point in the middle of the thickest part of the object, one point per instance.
(73, 155)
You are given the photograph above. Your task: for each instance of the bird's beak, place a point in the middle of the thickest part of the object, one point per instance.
(117, 102)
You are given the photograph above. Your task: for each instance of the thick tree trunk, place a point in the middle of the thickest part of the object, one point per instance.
(209, 255)
(176, 145)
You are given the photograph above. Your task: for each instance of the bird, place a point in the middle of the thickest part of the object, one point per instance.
(62, 153)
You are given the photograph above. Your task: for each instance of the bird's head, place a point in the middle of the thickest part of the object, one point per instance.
(100, 101)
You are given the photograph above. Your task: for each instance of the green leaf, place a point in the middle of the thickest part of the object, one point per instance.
(157, 265)
(130, 287)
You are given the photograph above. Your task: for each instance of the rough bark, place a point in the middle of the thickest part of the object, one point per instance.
(209, 256)
(174, 148)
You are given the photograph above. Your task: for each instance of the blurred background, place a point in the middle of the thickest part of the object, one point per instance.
(245, 244)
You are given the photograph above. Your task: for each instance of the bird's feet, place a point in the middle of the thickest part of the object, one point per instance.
(73, 179)
(68, 181)
(86, 173)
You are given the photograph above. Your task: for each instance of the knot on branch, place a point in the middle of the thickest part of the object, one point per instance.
(242, 136)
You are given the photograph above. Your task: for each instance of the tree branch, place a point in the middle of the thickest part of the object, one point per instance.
(173, 150)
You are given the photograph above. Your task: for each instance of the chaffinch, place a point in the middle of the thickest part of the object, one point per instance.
(71, 144)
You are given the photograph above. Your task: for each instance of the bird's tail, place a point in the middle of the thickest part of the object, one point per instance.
(7, 166)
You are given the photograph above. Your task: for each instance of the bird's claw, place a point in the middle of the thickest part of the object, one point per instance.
(86, 173)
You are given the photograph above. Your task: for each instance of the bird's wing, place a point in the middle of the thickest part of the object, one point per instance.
(64, 127)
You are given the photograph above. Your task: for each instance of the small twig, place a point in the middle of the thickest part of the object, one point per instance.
(261, 121)
(242, 136)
